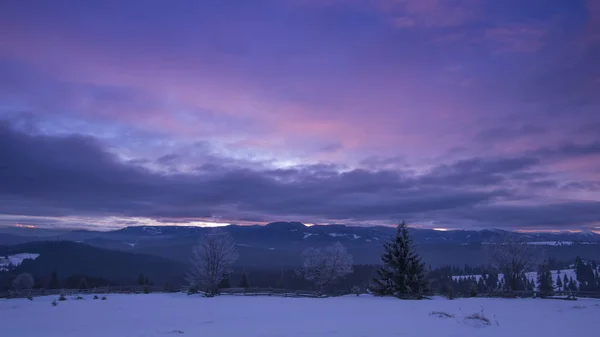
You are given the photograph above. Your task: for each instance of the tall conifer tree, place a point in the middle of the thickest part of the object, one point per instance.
(544, 279)
(403, 272)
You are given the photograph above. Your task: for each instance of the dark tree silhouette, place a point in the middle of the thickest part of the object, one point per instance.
(403, 272)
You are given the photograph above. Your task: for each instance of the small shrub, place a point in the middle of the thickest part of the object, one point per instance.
(146, 290)
(54, 303)
(78, 298)
(62, 297)
(355, 290)
(441, 314)
(30, 298)
(103, 298)
(95, 297)
(192, 291)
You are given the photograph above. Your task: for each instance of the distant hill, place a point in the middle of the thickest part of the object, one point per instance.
(70, 258)
(9, 239)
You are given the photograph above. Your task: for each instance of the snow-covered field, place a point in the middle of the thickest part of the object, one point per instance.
(178, 314)
(16, 259)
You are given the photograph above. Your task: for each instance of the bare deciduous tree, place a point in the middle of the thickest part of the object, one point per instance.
(513, 257)
(212, 260)
(23, 281)
(322, 266)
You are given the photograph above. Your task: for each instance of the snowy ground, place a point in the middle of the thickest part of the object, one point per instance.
(179, 314)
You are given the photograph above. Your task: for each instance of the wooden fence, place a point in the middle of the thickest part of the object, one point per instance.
(263, 292)
(154, 289)
(269, 292)
(72, 292)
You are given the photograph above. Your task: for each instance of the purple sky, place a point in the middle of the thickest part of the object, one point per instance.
(444, 113)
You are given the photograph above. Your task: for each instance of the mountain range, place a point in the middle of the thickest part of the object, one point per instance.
(280, 244)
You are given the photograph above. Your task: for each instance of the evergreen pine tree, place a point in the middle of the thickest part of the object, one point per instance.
(585, 275)
(403, 272)
(544, 279)
(491, 282)
(141, 279)
(579, 269)
(559, 284)
(225, 283)
(572, 285)
(244, 281)
(590, 278)
(566, 282)
(83, 283)
(53, 281)
(481, 284)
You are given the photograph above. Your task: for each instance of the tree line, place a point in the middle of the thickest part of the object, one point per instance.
(330, 269)
(402, 273)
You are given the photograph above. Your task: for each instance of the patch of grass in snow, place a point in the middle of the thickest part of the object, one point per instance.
(441, 314)
(480, 317)
(578, 307)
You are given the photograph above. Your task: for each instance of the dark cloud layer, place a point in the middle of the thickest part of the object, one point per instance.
(75, 175)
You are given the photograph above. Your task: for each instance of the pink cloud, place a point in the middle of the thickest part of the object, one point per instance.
(404, 104)
(352, 115)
